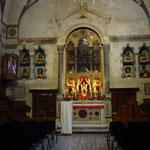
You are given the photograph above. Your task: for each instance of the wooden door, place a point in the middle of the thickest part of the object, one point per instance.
(44, 103)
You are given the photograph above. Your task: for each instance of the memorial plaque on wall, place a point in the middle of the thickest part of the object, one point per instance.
(19, 92)
(147, 88)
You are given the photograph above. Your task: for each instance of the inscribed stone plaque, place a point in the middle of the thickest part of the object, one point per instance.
(19, 92)
(147, 88)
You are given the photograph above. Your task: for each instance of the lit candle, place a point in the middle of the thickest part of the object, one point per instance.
(101, 93)
(91, 92)
(75, 93)
(65, 94)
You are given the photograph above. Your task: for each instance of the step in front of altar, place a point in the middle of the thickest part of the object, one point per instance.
(97, 128)
(89, 128)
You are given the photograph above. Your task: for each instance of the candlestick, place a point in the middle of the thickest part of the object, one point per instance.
(101, 93)
(65, 94)
(75, 93)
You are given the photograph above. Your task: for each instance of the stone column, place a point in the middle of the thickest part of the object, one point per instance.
(137, 69)
(106, 48)
(32, 63)
(60, 49)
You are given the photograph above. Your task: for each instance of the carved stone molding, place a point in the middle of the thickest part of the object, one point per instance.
(38, 40)
(129, 38)
(106, 48)
(60, 49)
(83, 9)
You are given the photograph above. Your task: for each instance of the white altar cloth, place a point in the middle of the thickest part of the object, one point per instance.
(88, 106)
(66, 117)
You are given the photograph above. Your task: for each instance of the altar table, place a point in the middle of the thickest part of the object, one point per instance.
(88, 113)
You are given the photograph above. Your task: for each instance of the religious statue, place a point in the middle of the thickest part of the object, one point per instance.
(40, 74)
(72, 58)
(143, 58)
(25, 59)
(72, 69)
(96, 88)
(95, 68)
(95, 91)
(40, 59)
(95, 58)
(70, 89)
(25, 74)
(144, 72)
(84, 89)
(127, 57)
(128, 72)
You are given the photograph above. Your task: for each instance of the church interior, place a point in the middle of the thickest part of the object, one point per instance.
(75, 69)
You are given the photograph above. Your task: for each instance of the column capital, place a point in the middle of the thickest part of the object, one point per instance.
(60, 48)
(106, 48)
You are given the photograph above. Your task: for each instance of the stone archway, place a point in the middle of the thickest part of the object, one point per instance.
(61, 51)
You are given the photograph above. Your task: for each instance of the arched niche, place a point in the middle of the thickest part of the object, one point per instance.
(39, 62)
(144, 62)
(24, 63)
(64, 35)
(128, 62)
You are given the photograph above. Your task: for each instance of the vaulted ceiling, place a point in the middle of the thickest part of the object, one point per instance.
(16, 8)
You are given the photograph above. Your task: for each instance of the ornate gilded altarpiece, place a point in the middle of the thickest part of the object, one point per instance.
(84, 67)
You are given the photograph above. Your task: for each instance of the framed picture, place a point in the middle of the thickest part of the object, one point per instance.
(10, 66)
(19, 92)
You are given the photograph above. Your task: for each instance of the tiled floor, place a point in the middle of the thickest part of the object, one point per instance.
(79, 142)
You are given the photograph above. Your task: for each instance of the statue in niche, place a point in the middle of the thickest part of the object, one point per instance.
(144, 72)
(40, 74)
(25, 74)
(84, 88)
(72, 69)
(127, 57)
(95, 88)
(143, 58)
(72, 58)
(95, 68)
(70, 89)
(95, 58)
(128, 72)
(25, 59)
(40, 59)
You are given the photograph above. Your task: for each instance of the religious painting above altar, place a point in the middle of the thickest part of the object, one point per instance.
(84, 65)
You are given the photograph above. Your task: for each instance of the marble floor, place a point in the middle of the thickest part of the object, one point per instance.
(76, 141)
